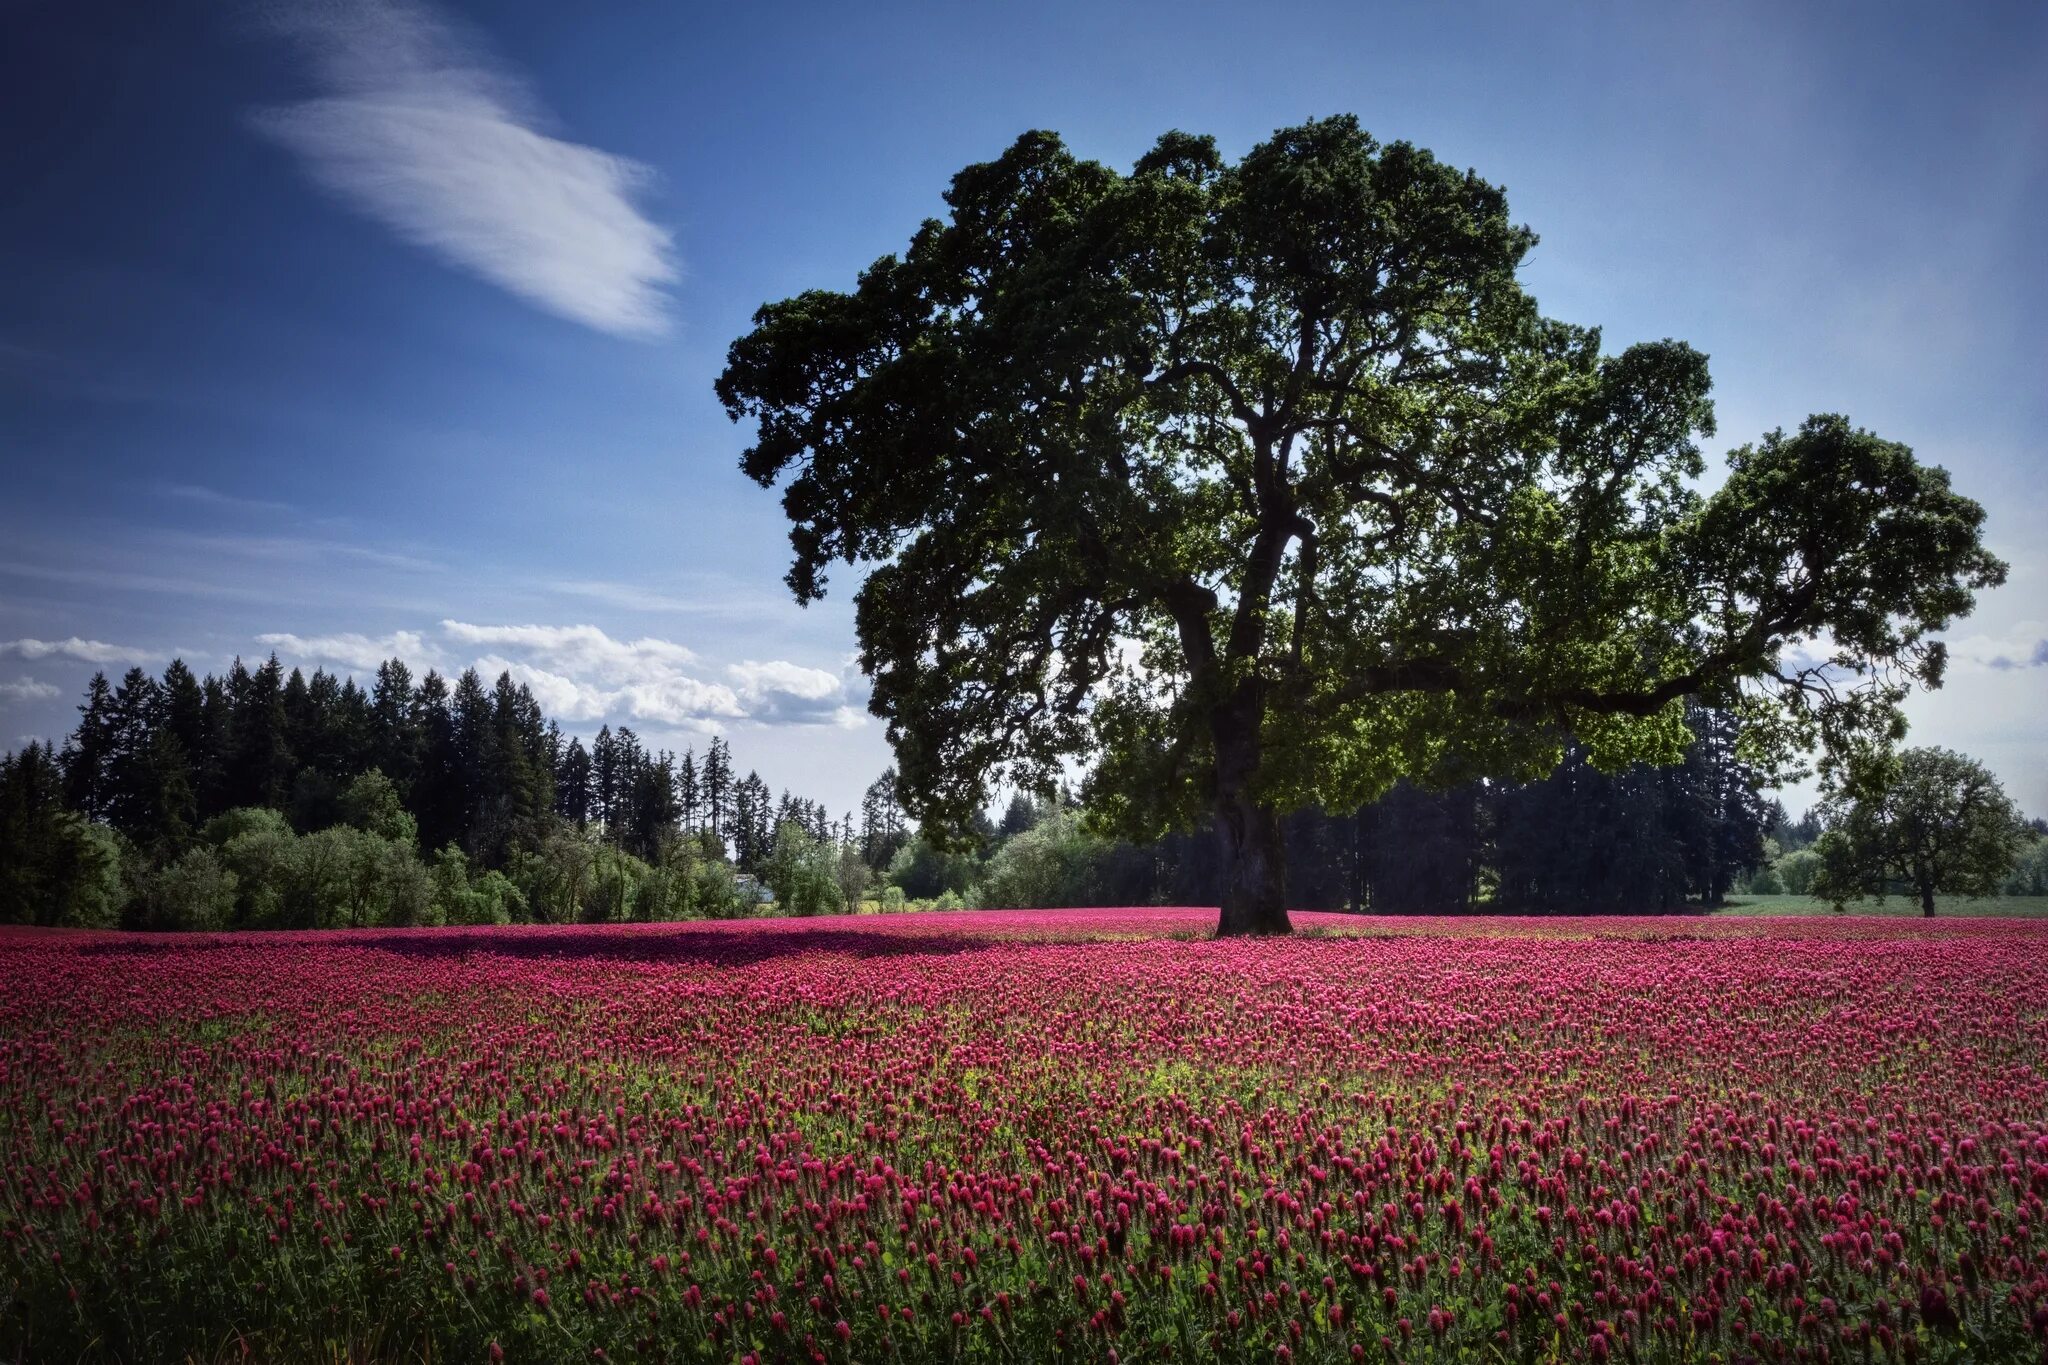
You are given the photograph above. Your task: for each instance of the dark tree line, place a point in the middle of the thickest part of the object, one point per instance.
(474, 779)
(1579, 841)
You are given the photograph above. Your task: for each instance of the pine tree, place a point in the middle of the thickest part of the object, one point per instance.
(437, 792)
(89, 752)
(260, 767)
(716, 779)
(394, 733)
(881, 821)
(572, 785)
(687, 795)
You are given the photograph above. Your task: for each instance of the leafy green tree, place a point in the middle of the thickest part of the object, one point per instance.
(2029, 875)
(371, 802)
(1292, 429)
(196, 892)
(1932, 820)
(1054, 863)
(717, 893)
(803, 871)
(926, 870)
(855, 876)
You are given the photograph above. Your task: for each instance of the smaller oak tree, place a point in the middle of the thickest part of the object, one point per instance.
(1932, 819)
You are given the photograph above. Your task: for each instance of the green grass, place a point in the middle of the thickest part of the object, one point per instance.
(2007, 907)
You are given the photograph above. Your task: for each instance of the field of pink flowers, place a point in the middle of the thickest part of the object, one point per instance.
(1082, 1135)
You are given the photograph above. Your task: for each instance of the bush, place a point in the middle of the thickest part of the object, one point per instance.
(2029, 875)
(195, 892)
(371, 803)
(1796, 871)
(804, 873)
(1054, 863)
(718, 894)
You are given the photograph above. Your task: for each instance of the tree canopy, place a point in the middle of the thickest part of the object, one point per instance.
(1930, 820)
(1266, 483)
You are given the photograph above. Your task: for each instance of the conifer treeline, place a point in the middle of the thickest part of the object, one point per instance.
(157, 763)
(477, 766)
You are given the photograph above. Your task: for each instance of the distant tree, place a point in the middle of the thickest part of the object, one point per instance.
(438, 799)
(716, 779)
(89, 754)
(855, 876)
(689, 796)
(1421, 851)
(2029, 875)
(56, 867)
(1932, 820)
(803, 872)
(574, 792)
(1053, 863)
(1292, 427)
(196, 892)
(371, 802)
(926, 870)
(1020, 815)
(394, 741)
(260, 767)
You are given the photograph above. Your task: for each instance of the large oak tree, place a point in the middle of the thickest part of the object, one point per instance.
(1265, 483)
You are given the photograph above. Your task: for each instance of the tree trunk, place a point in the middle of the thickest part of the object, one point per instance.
(1254, 870)
(1254, 854)
(1927, 900)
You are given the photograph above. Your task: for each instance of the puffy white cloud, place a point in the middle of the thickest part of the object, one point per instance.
(2023, 645)
(579, 648)
(420, 129)
(581, 673)
(85, 651)
(26, 689)
(352, 651)
(779, 692)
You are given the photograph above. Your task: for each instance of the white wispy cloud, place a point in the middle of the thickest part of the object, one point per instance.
(419, 129)
(2023, 645)
(85, 651)
(717, 599)
(582, 674)
(27, 689)
(352, 651)
(213, 497)
(585, 649)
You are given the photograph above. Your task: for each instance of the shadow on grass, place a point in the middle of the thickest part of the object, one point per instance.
(712, 945)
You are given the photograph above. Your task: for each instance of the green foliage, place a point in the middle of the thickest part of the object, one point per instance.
(925, 871)
(56, 867)
(1293, 428)
(1055, 862)
(371, 802)
(804, 873)
(1930, 820)
(717, 893)
(2029, 875)
(195, 892)
(1798, 870)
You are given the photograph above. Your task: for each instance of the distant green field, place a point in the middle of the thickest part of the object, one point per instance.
(2020, 907)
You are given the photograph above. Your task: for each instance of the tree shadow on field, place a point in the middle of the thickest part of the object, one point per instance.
(719, 945)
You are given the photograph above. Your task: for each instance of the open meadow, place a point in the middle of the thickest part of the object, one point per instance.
(1012, 1136)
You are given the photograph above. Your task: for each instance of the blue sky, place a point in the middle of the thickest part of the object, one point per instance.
(345, 328)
